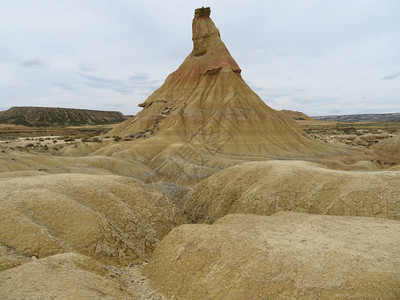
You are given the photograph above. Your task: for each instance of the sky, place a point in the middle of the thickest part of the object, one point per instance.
(316, 56)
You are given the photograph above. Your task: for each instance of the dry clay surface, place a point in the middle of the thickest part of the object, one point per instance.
(113, 219)
(63, 276)
(284, 256)
(74, 276)
(267, 187)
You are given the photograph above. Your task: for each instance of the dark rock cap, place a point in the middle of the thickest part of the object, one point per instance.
(203, 11)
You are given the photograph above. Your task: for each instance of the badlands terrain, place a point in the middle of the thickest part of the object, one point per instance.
(207, 193)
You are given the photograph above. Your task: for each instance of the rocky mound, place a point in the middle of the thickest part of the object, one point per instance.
(55, 116)
(113, 219)
(63, 276)
(205, 104)
(267, 187)
(297, 115)
(284, 256)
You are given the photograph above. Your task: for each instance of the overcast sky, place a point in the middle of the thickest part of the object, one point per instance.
(317, 56)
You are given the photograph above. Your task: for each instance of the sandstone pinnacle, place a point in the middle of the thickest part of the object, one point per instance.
(209, 103)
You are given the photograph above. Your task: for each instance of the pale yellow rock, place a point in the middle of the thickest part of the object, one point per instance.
(283, 256)
(267, 187)
(9, 259)
(63, 276)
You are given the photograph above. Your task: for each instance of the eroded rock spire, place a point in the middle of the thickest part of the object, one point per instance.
(206, 102)
(204, 31)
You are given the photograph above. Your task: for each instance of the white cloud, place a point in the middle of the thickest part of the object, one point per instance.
(33, 63)
(392, 76)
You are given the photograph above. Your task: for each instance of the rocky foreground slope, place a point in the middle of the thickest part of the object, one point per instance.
(113, 219)
(55, 116)
(284, 256)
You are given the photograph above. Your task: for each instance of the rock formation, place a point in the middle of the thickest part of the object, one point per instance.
(206, 103)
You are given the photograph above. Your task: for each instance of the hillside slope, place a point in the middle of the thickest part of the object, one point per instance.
(268, 187)
(55, 116)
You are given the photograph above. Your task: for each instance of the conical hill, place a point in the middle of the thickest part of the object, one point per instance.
(207, 100)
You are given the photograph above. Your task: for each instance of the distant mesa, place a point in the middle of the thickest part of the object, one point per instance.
(297, 115)
(389, 117)
(55, 116)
